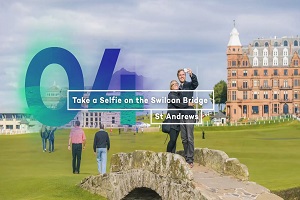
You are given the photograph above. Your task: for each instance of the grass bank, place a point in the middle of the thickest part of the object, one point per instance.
(270, 152)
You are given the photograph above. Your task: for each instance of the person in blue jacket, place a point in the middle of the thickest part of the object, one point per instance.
(51, 139)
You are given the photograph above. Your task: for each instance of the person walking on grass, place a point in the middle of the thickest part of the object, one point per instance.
(77, 139)
(51, 139)
(44, 135)
(101, 147)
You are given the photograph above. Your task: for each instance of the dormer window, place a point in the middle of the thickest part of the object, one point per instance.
(266, 44)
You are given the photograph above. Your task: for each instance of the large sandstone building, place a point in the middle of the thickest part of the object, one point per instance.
(263, 77)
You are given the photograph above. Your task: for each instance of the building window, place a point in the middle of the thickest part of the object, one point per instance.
(245, 63)
(233, 84)
(233, 63)
(285, 52)
(265, 61)
(256, 83)
(255, 73)
(17, 126)
(275, 44)
(296, 82)
(255, 95)
(234, 111)
(96, 119)
(233, 95)
(9, 127)
(245, 95)
(296, 62)
(255, 52)
(266, 44)
(275, 52)
(295, 43)
(91, 114)
(285, 43)
(86, 119)
(86, 114)
(285, 72)
(285, 61)
(244, 109)
(275, 61)
(91, 119)
(265, 72)
(275, 71)
(254, 109)
(266, 95)
(265, 53)
(245, 84)
(233, 73)
(265, 83)
(275, 83)
(256, 44)
(285, 95)
(245, 73)
(86, 123)
(96, 114)
(255, 61)
(295, 71)
(275, 95)
(285, 83)
(275, 106)
(296, 95)
(266, 109)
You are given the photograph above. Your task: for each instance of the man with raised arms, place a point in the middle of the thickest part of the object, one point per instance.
(187, 130)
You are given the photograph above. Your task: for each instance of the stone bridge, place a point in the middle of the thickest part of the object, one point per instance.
(218, 177)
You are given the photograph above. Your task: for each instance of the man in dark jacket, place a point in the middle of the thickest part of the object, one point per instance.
(101, 146)
(187, 130)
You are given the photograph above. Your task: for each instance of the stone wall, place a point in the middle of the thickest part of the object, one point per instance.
(220, 162)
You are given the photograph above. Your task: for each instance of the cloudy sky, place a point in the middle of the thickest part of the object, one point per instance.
(156, 37)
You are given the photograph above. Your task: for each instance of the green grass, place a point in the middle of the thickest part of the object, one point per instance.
(271, 153)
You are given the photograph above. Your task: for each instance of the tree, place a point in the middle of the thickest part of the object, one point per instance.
(220, 90)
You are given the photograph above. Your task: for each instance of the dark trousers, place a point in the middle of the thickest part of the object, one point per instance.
(172, 143)
(76, 154)
(51, 145)
(187, 137)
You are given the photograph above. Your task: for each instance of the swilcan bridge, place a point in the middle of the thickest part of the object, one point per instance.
(218, 177)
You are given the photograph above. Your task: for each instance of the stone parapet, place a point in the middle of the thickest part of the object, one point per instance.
(220, 162)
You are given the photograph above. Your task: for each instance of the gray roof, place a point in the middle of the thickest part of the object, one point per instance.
(219, 115)
(24, 121)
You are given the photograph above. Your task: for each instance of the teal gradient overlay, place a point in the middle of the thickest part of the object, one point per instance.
(51, 55)
(128, 82)
(64, 58)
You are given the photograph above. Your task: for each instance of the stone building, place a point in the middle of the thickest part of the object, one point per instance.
(92, 119)
(263, 77)
(16, 123)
